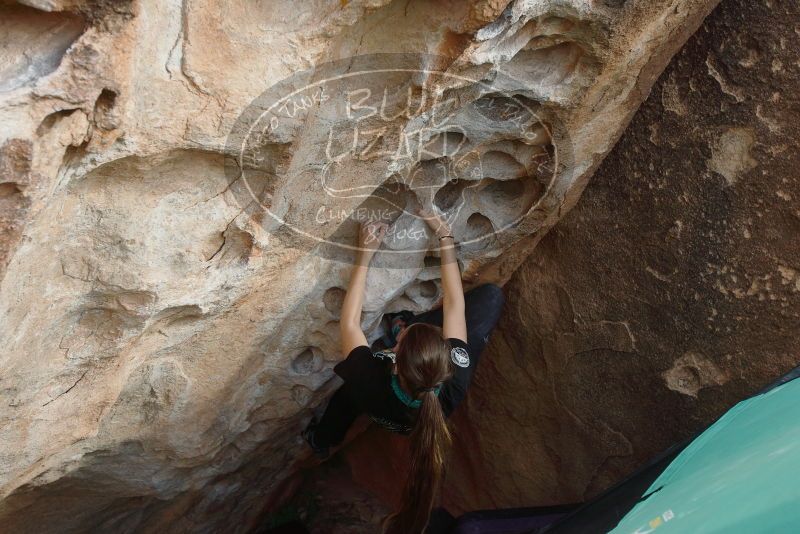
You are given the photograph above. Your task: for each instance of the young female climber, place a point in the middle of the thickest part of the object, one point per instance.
(413, 387)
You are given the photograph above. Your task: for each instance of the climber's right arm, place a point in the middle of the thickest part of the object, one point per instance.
(370, 237)
(454, 322)
(453, 305)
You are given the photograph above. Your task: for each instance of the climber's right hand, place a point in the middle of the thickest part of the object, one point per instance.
(435, 222)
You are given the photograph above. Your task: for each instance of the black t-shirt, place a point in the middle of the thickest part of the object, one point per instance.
(368, 379)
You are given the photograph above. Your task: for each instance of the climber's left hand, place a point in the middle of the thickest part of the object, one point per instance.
(370, 236)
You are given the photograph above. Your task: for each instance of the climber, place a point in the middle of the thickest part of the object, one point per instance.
(411, 388)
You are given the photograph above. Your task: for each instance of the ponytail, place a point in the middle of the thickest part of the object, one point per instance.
(423, 363)
(430, 442)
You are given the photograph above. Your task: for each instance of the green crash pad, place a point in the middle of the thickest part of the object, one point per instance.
(741, 475)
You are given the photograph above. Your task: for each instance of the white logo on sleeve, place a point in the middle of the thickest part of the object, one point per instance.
(459, 356)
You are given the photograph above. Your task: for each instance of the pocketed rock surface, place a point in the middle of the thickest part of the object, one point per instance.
(163, 342)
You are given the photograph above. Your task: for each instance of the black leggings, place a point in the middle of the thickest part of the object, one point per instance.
(483, 305)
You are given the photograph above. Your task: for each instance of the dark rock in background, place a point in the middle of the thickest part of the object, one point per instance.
(670, 292)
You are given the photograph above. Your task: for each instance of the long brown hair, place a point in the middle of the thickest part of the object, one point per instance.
(423, 363)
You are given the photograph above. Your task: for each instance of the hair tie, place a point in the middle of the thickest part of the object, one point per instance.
(405, 398)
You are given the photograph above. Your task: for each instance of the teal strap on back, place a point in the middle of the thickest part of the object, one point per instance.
(404, 397)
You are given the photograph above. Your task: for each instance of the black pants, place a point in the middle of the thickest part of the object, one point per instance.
(483, 305)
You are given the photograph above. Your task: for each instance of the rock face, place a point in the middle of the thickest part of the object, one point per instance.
(168, 307)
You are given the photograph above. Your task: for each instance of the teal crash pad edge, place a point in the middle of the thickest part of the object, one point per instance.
(740, 475)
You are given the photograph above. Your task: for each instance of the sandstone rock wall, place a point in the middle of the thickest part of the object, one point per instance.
(163, 340)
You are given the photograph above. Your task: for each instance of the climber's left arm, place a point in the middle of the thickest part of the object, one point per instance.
(369, 239)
